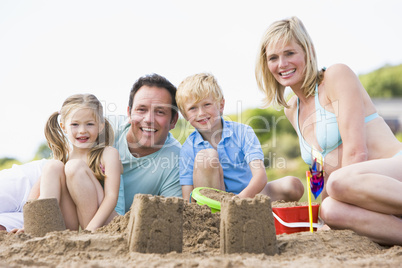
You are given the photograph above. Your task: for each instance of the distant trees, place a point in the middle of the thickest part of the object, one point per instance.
(8, 162)
(385, 82)
(42, 152)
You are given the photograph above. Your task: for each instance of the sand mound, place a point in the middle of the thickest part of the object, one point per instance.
(201, 242)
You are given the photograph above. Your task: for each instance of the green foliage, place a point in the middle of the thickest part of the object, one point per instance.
(267, 123)
(8, 162)
(385, 82)
(278, 150)
(399, 136)
(182, 130)
(43, 152)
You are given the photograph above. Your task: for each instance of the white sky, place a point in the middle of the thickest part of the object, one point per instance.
(50, 50)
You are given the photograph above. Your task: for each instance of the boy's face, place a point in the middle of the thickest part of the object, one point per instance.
(205, 115)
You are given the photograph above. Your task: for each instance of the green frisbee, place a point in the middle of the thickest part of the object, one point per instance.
(214, 205)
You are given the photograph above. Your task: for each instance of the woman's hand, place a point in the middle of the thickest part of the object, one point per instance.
(18, 231)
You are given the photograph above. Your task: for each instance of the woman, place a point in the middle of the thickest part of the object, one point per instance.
(333, 114)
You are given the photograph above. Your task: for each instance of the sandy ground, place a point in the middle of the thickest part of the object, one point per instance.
(108, 247)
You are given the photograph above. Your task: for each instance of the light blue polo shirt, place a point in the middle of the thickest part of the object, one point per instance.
(155, 174)
(238, 147)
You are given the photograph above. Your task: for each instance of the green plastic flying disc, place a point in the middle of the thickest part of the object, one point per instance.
(214, 205)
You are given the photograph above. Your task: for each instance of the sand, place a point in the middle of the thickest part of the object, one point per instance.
(42, 216)
(108, 247)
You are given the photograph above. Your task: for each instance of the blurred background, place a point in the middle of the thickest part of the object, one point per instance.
(50, 50)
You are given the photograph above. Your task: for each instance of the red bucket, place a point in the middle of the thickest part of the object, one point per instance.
(290, 220)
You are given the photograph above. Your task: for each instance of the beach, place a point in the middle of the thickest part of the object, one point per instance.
(108, 247)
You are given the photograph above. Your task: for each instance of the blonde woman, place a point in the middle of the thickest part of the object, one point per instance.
(333, 114)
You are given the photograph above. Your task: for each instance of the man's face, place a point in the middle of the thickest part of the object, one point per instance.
(151, 120)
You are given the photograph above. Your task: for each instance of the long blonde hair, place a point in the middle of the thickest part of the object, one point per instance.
(285, 31)
(59, 143)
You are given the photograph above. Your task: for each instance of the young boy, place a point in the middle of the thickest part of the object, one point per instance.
(222, 154)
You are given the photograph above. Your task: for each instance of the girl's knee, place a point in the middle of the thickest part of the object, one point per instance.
(53, 166)
(74, 167)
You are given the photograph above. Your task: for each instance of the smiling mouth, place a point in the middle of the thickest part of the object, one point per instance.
(203, 121)
(82, 139)
(145, 129)
(287, 73)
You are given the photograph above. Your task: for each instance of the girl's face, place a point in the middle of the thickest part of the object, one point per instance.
(81, 128)
(287, 64)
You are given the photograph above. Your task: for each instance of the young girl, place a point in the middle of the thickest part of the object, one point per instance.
(84, 174)
(333, 113)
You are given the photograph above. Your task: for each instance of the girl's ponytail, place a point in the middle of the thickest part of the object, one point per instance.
(56, 140)
(105, 138)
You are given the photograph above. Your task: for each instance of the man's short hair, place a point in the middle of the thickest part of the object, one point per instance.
(154, 80)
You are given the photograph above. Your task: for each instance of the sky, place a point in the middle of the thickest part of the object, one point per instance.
(52, 49)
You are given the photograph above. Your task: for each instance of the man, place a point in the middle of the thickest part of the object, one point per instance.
(148, 152)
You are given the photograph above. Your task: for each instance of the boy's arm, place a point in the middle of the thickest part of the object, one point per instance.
(186, 190)
(257, 182)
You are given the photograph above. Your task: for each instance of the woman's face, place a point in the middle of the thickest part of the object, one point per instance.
(287, 63)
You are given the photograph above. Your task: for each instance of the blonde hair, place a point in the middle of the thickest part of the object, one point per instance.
(59, 143)
(283, 32)
(198, 87)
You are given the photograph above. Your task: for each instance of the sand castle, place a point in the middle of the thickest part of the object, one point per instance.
(247, 226)
(42, 216)
(108, 246)
(156, 225)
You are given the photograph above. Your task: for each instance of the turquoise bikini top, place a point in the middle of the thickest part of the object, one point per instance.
(328, 136)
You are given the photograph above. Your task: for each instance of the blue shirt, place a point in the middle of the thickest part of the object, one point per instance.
(238, 147)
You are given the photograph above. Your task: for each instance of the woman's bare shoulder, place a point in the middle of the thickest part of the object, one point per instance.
(337, 71)
(340, 81)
